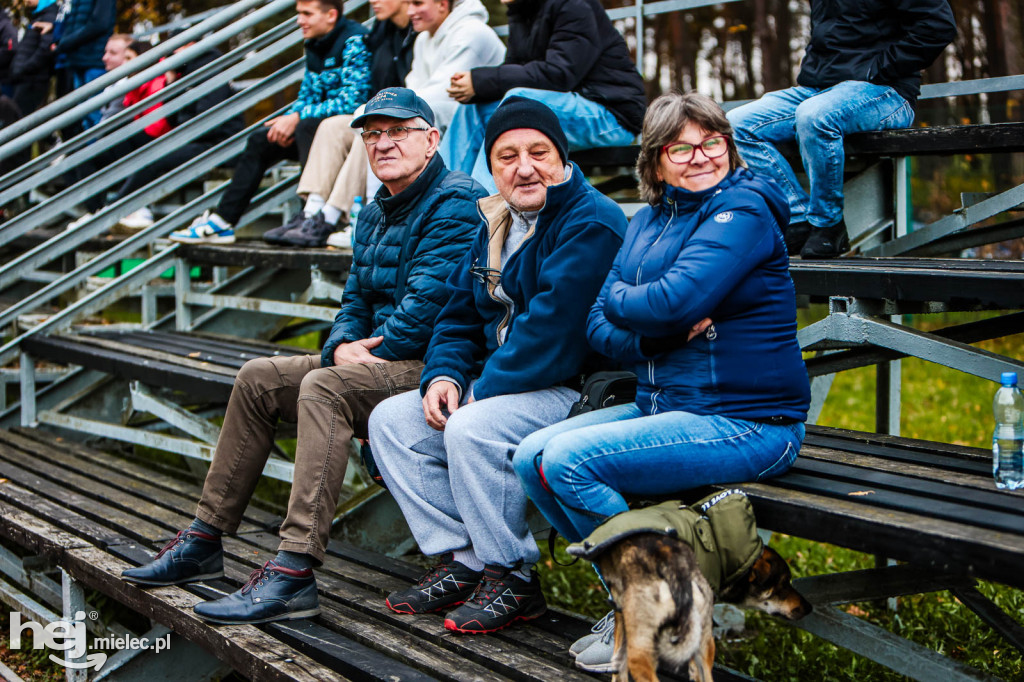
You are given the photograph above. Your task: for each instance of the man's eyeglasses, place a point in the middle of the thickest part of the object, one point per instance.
(397, 134)
(485, 275)
(682, 152)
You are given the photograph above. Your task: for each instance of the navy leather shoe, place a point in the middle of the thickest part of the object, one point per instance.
(191, 556)
(272, 593)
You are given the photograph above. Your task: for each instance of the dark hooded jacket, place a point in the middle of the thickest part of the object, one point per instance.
(887, 42)
(716, 253)
(33, 58)
(404, 250)
(84, 33)
(566, 46)
(392, 55)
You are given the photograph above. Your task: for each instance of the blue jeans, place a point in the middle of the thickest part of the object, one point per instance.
(578, 470)
(456, 487)
(80, 77)
(818, 120)
(586, 124)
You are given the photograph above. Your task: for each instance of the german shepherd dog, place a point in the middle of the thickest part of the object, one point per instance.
(663, 604)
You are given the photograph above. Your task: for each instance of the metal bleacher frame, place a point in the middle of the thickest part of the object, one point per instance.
(259, 300)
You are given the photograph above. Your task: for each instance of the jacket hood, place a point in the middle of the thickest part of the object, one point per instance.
(675, 197)
(463, 10)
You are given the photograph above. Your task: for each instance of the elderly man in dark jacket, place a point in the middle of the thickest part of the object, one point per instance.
(566, 54)
(421, 226)
(861, 71)
(504, 361)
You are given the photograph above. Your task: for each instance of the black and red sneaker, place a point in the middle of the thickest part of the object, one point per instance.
(446, 585)
(502, 598)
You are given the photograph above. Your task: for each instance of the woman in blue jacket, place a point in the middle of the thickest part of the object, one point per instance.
(700, 305)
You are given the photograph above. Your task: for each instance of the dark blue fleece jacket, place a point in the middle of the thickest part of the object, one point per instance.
(405, 247)
(83, 33)
(552, 278)
(716, 253)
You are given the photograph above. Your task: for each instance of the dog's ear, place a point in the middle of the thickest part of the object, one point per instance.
(761, 572)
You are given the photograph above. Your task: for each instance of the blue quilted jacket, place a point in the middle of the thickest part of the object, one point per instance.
(337, 78)
(414, 238)
(551, 279)
(716, 253)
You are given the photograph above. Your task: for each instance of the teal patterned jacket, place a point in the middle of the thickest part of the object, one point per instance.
(337, 78)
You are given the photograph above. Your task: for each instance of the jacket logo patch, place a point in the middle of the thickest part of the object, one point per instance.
(723, 217)
(329, 62)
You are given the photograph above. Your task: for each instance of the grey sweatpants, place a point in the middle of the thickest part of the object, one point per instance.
(457, 488)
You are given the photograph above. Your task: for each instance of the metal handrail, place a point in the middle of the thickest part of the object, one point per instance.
(112, 85)
(75, 158)
(66, 241)
(138, 159)
(243, 59)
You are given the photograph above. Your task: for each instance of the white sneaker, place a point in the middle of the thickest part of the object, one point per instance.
(342, 239)
(596, 632)
(86, 217)
(138, 220)
(597, 658)
(208, 228)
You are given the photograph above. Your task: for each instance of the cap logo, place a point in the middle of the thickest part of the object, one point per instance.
(382, 96)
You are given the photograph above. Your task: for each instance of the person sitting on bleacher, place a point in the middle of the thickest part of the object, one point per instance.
(861, 71)
(335, 171)
(337, 80)
(564, 53)
(31, 68)
(450, 38)
(181, 154)
(425, 212)
(701, 306)
(504, 361)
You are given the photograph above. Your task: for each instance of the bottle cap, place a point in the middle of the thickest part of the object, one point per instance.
(1008, 378)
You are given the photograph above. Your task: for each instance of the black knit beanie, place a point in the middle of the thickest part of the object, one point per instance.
(520, 112)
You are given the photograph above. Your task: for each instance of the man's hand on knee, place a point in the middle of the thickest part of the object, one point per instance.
(282, 129)
(358, 352)
(440, 395)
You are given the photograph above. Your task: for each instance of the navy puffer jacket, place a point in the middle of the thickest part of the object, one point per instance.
(716, 253)
(551, 279)
(415, 238)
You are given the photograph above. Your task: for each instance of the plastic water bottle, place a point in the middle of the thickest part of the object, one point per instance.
(353, 218)
(1008, 439)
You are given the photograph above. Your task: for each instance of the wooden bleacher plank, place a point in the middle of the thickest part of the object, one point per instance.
(59, 449)
(261, 255)
(116, 345)
(975, 497)
(906, 467)
(966, 284)
(901, 535)
(201, 384)
(352, 594)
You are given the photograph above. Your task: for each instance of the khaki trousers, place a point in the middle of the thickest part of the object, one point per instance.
(336, 167)
(330, 406)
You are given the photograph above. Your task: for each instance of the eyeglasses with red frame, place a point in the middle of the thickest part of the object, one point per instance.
(682, 152)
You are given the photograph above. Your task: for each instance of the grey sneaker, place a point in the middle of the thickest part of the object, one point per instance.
(600, 626)
(274, 234)
(597, 658)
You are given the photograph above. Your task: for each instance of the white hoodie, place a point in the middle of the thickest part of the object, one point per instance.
(464, 41)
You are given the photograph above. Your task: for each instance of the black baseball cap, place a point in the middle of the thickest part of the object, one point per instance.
(396, 103)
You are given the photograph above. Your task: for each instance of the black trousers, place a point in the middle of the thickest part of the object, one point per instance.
(259, 155)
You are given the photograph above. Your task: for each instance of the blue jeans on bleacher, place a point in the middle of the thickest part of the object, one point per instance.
(590, 461)
(587, 124)
(818, 120)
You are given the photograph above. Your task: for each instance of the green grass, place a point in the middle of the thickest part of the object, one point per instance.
(938, 404)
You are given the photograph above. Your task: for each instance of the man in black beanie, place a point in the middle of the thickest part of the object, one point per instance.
(504, 360)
